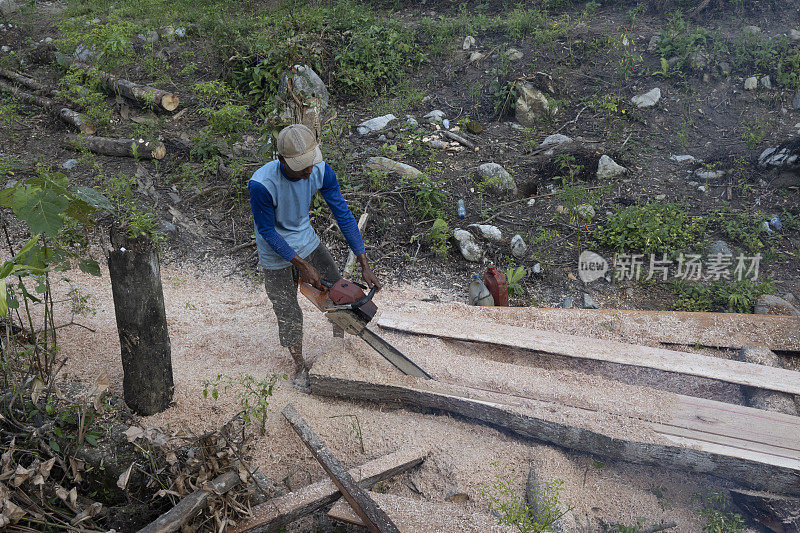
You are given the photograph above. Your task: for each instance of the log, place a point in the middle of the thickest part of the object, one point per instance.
(30, 83)
(66, 114)
(279, 512)
(141, 322)
(144, 94)
(351, 257)
(459, 139)
(120, 147)
(372, 516)
(699, 453)
(773, 511)
(740, 373)
(191, 505)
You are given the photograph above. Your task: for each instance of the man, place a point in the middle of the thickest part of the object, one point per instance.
(288, 248)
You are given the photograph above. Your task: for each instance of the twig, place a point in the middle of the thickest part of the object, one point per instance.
(459, 139)
(626, 140)
(206, 191)
(659, 527)
(573, 121)
(239, 247)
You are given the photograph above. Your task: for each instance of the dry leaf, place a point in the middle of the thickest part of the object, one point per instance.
(62, 493)
(44, 468)
(4, 520)
(133, 433)
(99, 389)
(76, 465)
(5, 459)
(172, 459)
(21, 475)
(4, 492)
(36, 390)
(73, 496)
(571, 276)
(37, 480)
(91, 512)
(122, 482)
(164, 492)
(13, 511)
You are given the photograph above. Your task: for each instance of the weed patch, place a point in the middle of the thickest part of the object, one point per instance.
(650, 228)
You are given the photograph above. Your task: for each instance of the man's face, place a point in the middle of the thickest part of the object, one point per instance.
(295, 174)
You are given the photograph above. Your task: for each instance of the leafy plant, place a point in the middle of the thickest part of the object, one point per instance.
(649, 228)
(254, 395)
(514, 277)
(439, 237)
(717, 518)
(722, 296)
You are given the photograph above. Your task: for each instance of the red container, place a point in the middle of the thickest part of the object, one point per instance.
(496, 283)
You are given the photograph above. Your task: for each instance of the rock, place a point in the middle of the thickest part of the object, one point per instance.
(752, 30)
(84, 53)
(607, 168)
(536, 269)
(796, 100)
(648, 99)
(719, 248)
(488, 232)
(5, 49)
(375, 124)
(148, 37)
(445, 124)
(69, 164)
(411, 121)
(769, 304)
(390, 165)
(475, 56)
(585, 211)
(468, 246)
(500, 181)
(693, 184)
(766, 82)
(707, 174)
(702, 188)
(518, 246)
(7, 7)
(306, 83)
(180, 31)
(474, 127)
(167, 227)
(588, 301)
(661, 197)
(794, 34)
(767, 400)
(567, 303)
(681, 158)
(532, 105)
(439, 145)
(725, 68)
(781, 156)
(553, 141)
(469, 42)
(512, 54)
(652, 46)
(454, 496)
(434, 116)
(751, 83)
(531, 202)
(48, 40)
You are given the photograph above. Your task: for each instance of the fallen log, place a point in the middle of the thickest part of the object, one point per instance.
(66, 114)
(373, 517)
(144, 94)
(773, 511)
(30, 83)
(279, 512)
(351, 257)
(120, 147)
(191, 505)
(459, 139)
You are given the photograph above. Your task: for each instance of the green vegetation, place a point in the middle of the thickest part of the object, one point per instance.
(85, 91)
(718, 519)
(721, 296)
(650, 228)
(514, 277)
(254, 395)
(439, 237)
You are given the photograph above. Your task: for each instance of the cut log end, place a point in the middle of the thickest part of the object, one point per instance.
(159, 152)
(170, 102)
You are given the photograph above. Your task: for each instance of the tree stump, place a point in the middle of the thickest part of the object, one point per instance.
(141, 322)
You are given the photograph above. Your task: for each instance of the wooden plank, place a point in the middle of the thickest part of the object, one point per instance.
(738, 372)
(279, 512)
(372, 516)
(423, 516)
(191, 505)
(758, 471)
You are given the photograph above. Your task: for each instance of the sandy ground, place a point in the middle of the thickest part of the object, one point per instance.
(226, 326)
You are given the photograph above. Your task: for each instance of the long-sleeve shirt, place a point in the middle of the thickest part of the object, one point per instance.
(280, 213)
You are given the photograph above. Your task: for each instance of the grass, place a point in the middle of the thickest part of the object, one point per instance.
(650, 228)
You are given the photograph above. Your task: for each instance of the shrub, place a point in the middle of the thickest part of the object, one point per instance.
(439, 237)
(649, 228)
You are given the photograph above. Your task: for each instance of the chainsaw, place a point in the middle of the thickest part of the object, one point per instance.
(346, 305)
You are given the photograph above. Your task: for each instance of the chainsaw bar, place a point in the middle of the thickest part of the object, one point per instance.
(393, 355)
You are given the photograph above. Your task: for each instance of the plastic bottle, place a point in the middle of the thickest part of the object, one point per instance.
(462, 210)
(496, 283)
(775, 223)
(478, 293)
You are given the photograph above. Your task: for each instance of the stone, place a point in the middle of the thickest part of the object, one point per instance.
(475, 56)
(553, 141)
(180, 31)
(473, 126)
(167, 227)
(766, 82)
(567, 303)
(702, 188)
(531, 202)
(500, 181)
(751, 83)
(708, 174)
(585, 211)
(693, 184)
(779, 157)
(536, 269)
(766, 400)
(390, 165)
(411, 121)
(769, 304)
(725, 68)
(588, 301)
(794, 34)
(652, 46)
(469, 42)
(83, 52)
(455, 496)
(375, 124)
(681, 158)
(796, 100)
(7, 7)
(469, 248)
(607, 168)
(48, 40)
(661, 197)
(752, 30)
(518, 246)
(306, 83)
(5, 49)
(434, 116)
(648, 99)
(148, 37)
(488, 232)
(719, 248)
(69, 164)
(512, 54)
(532, 105)
(445, 124)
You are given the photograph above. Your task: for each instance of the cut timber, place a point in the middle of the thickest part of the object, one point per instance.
(30, 83)
(459, 139)
(553, 423)
(421, 516)
(351, 257)
(192, 504)
(64, 113)
(120, 147)
(738, 372)
(279, 512)
(372, 516)
(777, 513)
(143, 94)
(716, 330)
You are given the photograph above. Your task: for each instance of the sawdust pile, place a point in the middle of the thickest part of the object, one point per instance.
(224, 326)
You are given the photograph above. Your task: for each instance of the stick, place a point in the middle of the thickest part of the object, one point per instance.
(120, 147)
(373, 516)
(143, 94)
(459, 139)
(351, 257)
(64, 113)
(192, 504)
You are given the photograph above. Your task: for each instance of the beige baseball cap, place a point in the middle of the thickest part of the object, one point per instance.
(299, 147)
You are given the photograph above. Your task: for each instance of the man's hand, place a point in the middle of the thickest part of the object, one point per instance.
(308, 273)
(366, 272)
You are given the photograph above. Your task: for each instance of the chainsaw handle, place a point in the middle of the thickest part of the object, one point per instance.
(365, 299)
(329, 284)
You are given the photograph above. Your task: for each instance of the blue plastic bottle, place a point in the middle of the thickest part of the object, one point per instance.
(462, 211)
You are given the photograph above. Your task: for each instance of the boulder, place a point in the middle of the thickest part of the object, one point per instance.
(532, 105)
(469, 42)
(551, 142)
(306, 83)
(648, 99)
(518, 247)
(769, 304)
(498, 178)
(375, 124)
(390, 165)
(488, 232)
(783, 156)
(468, 246)
(607, 168)
(751, 83)
(766, 400)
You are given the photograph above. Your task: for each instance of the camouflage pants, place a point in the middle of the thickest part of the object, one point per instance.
(281, 287)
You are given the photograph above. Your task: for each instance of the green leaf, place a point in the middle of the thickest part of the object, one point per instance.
(89, 266)
(54, 446)
(7, 196)
(91, 439)
(214, 394)
(93, 197)
(41, 209)
(3, 297)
